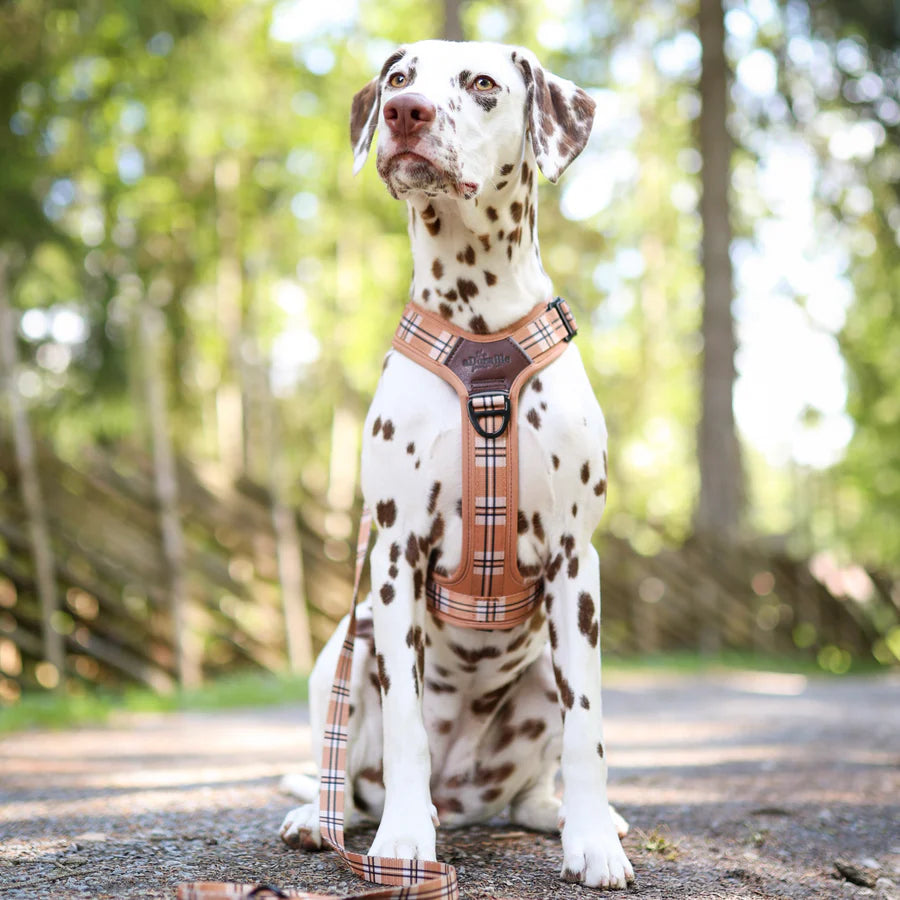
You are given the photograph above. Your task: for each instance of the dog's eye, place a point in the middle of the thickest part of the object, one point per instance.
(398, 79)
(484, 83)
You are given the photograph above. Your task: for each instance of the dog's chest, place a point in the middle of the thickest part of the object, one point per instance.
(412, 457)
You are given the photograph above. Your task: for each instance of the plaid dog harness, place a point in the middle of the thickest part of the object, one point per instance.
(487, 371)
(486, 591)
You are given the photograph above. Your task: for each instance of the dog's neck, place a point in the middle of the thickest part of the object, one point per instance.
(477, 262)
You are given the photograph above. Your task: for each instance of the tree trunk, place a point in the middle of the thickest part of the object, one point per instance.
(452, 30)
(718, 512)
(32, 498)
(166, 487)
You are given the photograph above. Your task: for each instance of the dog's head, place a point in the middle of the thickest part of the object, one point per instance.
(455, 117)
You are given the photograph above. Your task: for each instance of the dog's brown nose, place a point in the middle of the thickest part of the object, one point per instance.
(407, 114)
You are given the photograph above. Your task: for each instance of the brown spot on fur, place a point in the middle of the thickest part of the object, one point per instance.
(395, 547)
(444, 726)
(383, 680)
(574, 509)
(410, 448)
(433, 227)
(446, 310)
(504, 739)
(486, 775)
(437, 269)
(516, 211)
(467, 289)
(449, 805)
(554, 566)
(485, 705)
(532, 728)
(412, 549)
(585, 473)
(586, 612)
(600, 487)
(517, 642)
(600, 750)
(393, 571)
(564, 688)
(376, 426)
(387, 593)
(505, 170)
(373, 774)
(525, 171)
(512, 664)
(548, 601)
(428, 212)
(567, 542)
(490, 279)
(538, 526)
(439, 687)
(469, 255)
(386, 513)
(478, 325)
(474, 656)
(492, 213)
(522, 522)
(555, 460)
(501, 185)
(573, 567)
(387, 430)
(551, 628)
(585, 703)
(433, 496)
(485, 241)
(537, 384)
(534, 419)
(491, 794)
(418, 582)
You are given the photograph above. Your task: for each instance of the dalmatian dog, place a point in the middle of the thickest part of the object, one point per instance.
(448, 723)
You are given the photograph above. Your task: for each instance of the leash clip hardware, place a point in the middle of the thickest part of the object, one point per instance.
(557, 305)
(476, 415)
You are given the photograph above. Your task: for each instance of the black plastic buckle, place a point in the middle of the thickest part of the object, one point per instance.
(261, 889)
(475, 415)
(557, 305)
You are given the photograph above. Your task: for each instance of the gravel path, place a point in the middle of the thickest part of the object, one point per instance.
(741, 785)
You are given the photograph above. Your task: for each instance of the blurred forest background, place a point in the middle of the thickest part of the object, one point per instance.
(196, 295)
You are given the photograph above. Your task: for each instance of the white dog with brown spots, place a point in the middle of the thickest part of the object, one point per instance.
(463, 129)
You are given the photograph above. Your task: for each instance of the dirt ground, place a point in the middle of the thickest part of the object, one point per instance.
(738, 785)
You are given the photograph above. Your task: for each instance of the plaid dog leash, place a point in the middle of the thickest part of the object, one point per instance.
(410, 878)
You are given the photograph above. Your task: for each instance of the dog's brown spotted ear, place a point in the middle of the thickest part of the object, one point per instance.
(558, 113)
(364, 113)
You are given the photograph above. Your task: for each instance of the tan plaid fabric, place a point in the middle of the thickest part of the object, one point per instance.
(487, 590)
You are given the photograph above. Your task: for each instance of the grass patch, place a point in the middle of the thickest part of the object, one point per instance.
(83, 707)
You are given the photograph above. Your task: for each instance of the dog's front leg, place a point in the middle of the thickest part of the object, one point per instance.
(592, 852)
(407, 824)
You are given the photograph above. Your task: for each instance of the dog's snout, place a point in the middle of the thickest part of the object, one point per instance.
(408, 114)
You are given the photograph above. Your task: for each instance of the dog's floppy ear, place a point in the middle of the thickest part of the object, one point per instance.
(364, 113)
(558, 113)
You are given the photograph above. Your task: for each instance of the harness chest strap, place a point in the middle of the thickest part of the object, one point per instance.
(487, 372)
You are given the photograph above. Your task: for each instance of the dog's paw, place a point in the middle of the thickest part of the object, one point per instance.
(405, 837)
(595, 859)
(537, 812)
(300, 828)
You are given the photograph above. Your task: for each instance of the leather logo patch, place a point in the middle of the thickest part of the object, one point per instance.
(496, 362)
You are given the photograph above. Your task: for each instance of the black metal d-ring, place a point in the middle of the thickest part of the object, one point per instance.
(476, 415)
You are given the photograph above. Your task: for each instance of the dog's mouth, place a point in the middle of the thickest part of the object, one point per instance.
(408, 171)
